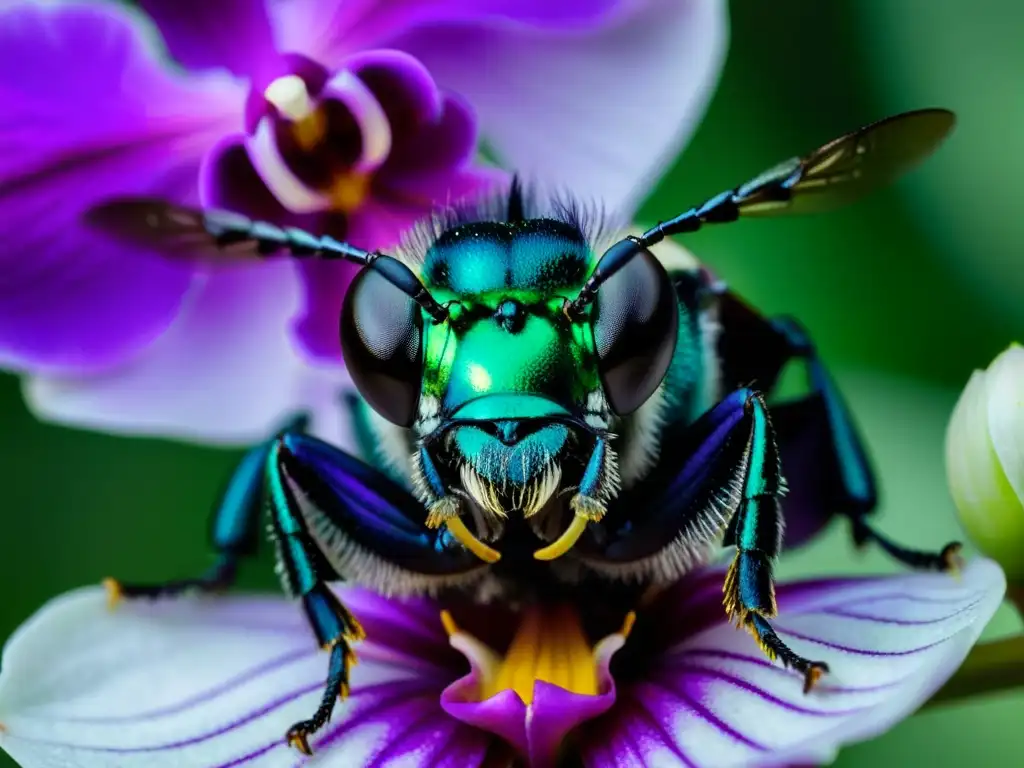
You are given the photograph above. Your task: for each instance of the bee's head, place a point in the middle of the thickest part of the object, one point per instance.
(509, 391)
(507, 377)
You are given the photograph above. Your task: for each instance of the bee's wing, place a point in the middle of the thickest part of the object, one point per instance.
(848, 168)
(179, 232)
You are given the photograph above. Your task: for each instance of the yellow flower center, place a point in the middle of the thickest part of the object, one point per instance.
(349, 188)
(549, 645)
(310, 130)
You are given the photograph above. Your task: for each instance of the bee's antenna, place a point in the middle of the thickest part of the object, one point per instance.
(614, 259)
(833, 175)
(228, 228)
(217, 236)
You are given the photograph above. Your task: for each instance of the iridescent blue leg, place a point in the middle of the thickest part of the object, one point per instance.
(749, 583)
(725, 462)
(853, 490)
(820, 446)
(304, 574)
(234, 530)
(333, 517)
(600, 478)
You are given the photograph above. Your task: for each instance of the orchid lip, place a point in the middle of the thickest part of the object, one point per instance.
(549, 646)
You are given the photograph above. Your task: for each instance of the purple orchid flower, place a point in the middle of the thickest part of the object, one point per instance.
(215, 682)
(349, 117)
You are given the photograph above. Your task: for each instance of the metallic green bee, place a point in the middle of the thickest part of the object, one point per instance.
(542, 417)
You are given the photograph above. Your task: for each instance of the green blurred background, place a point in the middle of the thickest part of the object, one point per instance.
(905, 293)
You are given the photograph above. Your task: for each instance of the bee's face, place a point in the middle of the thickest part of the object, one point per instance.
(507, 378)
(505, 464)
(510, 391)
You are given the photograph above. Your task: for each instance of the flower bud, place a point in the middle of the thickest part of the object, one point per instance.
(985, 460)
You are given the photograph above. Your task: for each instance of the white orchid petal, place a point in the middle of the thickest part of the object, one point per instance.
(716, 700)
(984, 448)
(600, 114)
(216, 682)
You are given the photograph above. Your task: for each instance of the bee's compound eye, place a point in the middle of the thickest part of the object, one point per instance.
(381, 333)
(635, 327)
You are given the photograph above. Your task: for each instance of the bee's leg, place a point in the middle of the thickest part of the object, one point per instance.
(853, 488)
(818, 439)
(304, 573)
(749, 583)
(724, 477)
(333, 516)
(234, 528)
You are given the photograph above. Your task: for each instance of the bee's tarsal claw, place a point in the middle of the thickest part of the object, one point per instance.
(298, 737)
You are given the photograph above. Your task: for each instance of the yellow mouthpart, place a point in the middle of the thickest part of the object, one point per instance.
(566, 541)
(464, 536)
(586, 509)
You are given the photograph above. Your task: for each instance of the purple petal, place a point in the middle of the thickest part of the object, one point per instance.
(225, 371)
(448, 142)
(402, 86)
(537, 731)
(413, 194)
(317, 329)
(76, 129)
(212, 34)
(229, 181)
(217, 682)
(713, 698)
(330, 29)
(601, 114)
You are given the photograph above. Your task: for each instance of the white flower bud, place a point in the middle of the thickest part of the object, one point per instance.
(985, 460)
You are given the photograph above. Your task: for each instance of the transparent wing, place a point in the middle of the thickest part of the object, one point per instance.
(211, 237)
(848, 168)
